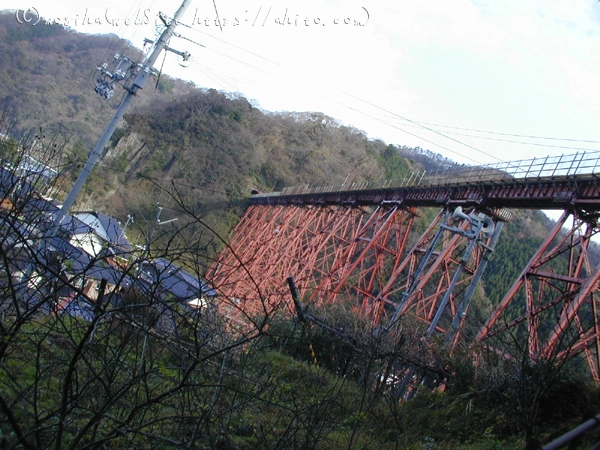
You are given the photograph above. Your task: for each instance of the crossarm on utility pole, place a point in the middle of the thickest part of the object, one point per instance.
(139, 82)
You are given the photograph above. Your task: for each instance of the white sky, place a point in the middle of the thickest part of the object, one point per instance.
(448, 76)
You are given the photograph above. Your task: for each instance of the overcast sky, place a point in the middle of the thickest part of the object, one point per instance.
(477, 81)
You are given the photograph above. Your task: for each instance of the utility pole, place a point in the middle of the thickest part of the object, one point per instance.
(104, 88)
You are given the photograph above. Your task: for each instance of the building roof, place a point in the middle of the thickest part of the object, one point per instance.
(40, 204)
(175, 280)
(81, 264)
(106, 227)
(77, 306)
(74, 226)
(9, 182)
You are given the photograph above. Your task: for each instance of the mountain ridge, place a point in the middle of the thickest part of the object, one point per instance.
(209, 147)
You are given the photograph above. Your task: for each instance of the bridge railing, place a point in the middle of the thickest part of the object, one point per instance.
(578, 165)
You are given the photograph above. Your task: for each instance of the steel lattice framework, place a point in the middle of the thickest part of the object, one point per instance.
(322, 247)
(354, 256)
(553, 305)
(368, 248)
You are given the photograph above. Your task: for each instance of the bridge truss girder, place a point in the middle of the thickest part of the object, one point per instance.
(355, 256)
(552, 309)
(362, 258)
(316, 245)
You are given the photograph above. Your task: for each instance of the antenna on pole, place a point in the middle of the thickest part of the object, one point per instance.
(126, 69)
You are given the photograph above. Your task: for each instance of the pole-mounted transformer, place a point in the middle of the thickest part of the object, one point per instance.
(105, 84)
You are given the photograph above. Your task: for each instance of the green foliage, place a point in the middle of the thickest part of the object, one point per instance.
(310, 343)
(119, 164)
(395, 166)
(117, 135)
(212, 149)
(486, 407)
(45, 72)
(9, 150)
(17, 32)
(203, 152)
(505, 264)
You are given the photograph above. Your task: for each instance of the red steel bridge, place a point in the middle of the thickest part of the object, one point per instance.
(368, 247)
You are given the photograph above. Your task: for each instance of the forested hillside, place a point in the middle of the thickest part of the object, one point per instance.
(187, 151)
(48, 75)
(207, 150)
(219, 146)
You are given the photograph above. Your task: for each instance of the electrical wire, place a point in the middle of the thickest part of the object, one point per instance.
(226, 82)
(511, 141)
(511, 134)
(426, 126)
(217, 78)
(233, 45)
(120, 36)
(538, 144)
(360, 111)
(227, 55)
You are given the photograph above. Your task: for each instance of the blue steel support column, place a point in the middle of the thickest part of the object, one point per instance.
(417, 274)
(473, 237)
(464, 304)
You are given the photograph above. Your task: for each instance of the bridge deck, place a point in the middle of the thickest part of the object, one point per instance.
(563, 183)
(360, 257)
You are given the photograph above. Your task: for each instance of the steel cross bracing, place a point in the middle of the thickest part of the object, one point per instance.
(553, 304)
(317, 245)
(357, 257)
(368, 249)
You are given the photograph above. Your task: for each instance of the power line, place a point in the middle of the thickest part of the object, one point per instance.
(233, 45)
(426, 126)
(140, 80)
(356, 98)
(511, 134)
(116, 42)
(538, 144)
(216, 77)
(404, 131)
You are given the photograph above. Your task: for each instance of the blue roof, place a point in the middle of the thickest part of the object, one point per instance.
(40, 204)
(75, 226)
(175, 280)
(9, 181)
(40, 212)
(108, 228)
(82, 264)
(79, 307)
